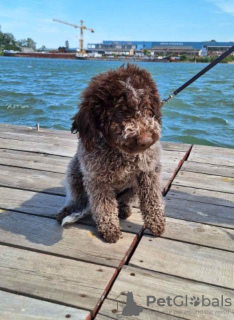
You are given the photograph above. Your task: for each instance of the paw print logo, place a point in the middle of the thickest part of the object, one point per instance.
(195, 301)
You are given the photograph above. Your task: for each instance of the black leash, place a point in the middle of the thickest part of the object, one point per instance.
(199, 74)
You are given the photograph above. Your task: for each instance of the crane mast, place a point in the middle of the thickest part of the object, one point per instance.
(81, 27)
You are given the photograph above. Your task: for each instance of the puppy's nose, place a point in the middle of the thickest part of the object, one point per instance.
(145, 140)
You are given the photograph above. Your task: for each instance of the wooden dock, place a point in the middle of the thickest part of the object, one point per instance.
(47, 272)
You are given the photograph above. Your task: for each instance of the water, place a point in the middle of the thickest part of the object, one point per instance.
(46, 91)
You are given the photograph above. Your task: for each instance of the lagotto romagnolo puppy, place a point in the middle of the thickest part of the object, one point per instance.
(118, 156)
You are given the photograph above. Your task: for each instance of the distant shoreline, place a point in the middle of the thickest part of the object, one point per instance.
(72, 56)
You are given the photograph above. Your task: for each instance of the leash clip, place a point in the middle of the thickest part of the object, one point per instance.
(169, 98)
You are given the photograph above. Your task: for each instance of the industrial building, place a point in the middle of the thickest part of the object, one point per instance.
(158, 48)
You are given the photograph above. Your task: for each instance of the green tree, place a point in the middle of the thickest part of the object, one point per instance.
(42, 48)
(183, 57)
(28, 43)
(8, 42)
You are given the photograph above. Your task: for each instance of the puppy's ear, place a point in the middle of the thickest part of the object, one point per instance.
(84, 123)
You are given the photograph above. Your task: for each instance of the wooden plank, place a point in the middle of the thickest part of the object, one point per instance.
(200, 212)
(48, 148)
(212, 155)
(41, 180)
(208, 168)
(18, 307)
(170, 162)
(204, 181)
(101, 317)
(47, 205)
(198, 233)
(143, 283)
(185, 260)
(30, 202)
(201, 195)
(35, 180)
(55, 279)
(25, 179)
(80, 242)
(66, 134)
(32, 160)
(109, 311)
(56, 145)
(10, 128)
(38, 138)
(57, 164)
(174, 146)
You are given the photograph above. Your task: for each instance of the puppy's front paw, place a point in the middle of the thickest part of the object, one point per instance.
(157, 228)
(110, 233)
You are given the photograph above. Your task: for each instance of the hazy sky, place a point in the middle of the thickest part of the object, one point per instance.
(159, 20)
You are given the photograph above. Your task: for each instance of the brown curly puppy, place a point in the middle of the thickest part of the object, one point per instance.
(118, 154)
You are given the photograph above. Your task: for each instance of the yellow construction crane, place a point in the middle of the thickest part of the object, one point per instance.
(81, 27)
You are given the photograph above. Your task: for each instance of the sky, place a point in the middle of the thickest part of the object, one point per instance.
(143, 20)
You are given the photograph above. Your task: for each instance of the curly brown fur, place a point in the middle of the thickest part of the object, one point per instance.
(118, 154)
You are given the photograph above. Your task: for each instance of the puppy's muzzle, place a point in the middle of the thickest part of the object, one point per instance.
(145, 140)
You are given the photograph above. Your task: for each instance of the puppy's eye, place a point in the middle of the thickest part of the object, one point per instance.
(149, 113)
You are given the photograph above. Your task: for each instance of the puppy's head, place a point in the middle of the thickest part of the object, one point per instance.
(123, 106)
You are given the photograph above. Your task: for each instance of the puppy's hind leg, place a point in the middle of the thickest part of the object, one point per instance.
(76, 197)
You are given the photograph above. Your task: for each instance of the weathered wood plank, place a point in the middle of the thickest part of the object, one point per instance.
(57, 164)
(185, 260)
(204, 181)
(44, 180)
(145, 283)
(201, 195)
(174, 146)
(170, 162)
(14, 306)
(200, 212)
(10, 128)
(30, 202)
(48, 148)
(61, 145)
(66, 134)
(35, 180)
(198, 233)
(32, 160)
(109, 311)
(56, 279)
(38, 138)
(208, 168)
(212, 155)
(47, 205)
(78, 241)
(101, 317)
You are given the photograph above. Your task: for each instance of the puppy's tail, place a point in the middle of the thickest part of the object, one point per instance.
(75, 216)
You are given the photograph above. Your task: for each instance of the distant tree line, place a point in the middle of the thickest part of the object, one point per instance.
(206, 59)
(8, 42)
